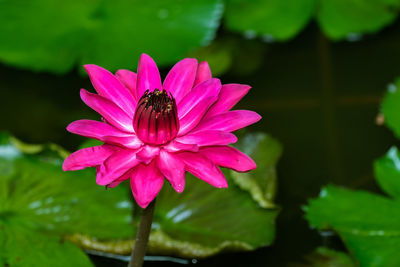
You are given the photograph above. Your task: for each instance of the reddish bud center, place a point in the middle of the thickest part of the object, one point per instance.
(156, 121)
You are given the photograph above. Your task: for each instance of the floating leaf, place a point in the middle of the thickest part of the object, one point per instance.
(39, 203)
(22, 246)
(341, 18)
(196, 223)
(387, 172)
(391, 107)
(261, 182)
(269, 19)
(368, 223)
(52, 36)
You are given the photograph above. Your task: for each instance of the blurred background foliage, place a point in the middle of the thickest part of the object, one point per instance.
(317, 68)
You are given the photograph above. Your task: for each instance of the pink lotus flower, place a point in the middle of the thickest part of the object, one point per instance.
(152, 130)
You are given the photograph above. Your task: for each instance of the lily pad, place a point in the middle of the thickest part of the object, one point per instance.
(50, 36)
(39, 204)
(391, 107)
(368, 223)
(70, 207)
(341, 18)
(279, 20)
(261, 182)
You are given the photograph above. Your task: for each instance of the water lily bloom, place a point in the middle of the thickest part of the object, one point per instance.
(153, 130)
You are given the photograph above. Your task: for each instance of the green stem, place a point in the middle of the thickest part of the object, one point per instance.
(142, 236)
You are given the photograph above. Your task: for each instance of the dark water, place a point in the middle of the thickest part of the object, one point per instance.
(320, 99)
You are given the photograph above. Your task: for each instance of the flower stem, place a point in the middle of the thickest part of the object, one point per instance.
(142, 236)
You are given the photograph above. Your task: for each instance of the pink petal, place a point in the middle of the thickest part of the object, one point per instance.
(124, 177)
(148, 76)
(228, 121)
(112, 113)
(108, 86)
(195, 115)
(116, 166)
(180, 78)
(173, 169)
(208, 138)
(228, 97)
(129, 79)
(229, 157)
(203, 73)
(175, 146)
(94, 129)
(146, 182)
(197, 95)
(147, 153)
(105, 133)
(88, 157)
(203, 168)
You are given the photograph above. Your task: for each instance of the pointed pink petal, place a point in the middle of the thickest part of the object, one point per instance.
(229, 157)
(173, 169)
(195, 115)
(208, 138)
(128, 78)
(180, 78)
(146, 182)
(94, 129)
(124, 177)
(111, 112)
(147, 153)
(175, 146)
(228, 97)
(203, 168)
(108, 86)
(105, 133)
(228, 121)
(197, 95)
(116, 166)
(88, 157)
(203, 73)
(148, 76)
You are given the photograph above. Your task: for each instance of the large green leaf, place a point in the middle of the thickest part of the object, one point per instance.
(368, 223)
(196, 223)
(53, 36)
(22, 246)
(270, 19)
(391, 107)
(39, 203)
(339, 18)
(261, 182)
(387, 172)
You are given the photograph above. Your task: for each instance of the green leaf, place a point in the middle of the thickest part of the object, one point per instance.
(51, 36)
(391, 107)
(368, 223)
(387, 172)
(22, 246)
(261, 182)
(339, 18)
(270, 19)
(204, 215)
(196, 223)
(39, 203)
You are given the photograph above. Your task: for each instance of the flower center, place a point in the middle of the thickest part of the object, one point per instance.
(156, 120)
